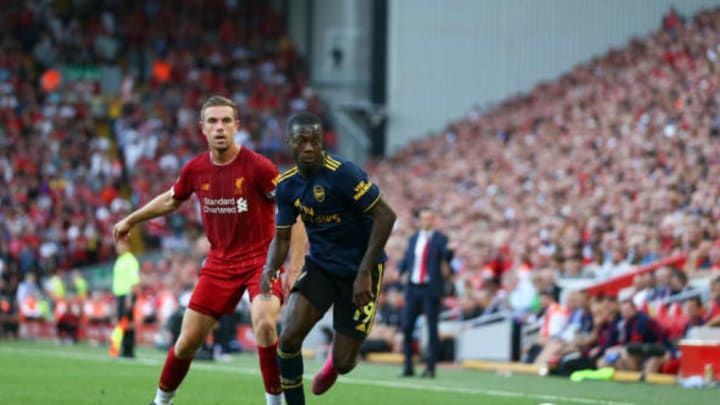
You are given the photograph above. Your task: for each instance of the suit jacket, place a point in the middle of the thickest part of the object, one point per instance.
(437, 252)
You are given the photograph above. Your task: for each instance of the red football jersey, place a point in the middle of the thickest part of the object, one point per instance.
(237, 206)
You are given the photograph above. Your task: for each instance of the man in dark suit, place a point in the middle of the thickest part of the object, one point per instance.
(423, 262)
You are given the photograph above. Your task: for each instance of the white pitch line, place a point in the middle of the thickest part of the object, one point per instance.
(345, 379)
(494, 393)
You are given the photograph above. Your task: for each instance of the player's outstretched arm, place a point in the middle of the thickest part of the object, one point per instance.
(383, 221)
(277, 254)
(163, 204)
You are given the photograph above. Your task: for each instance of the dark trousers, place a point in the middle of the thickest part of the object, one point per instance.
(223, 335)
(127, 347)
(419, 300)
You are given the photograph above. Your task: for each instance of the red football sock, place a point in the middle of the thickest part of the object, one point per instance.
(270, 369)
(174, 371)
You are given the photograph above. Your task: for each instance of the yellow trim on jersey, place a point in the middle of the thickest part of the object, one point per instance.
(282, 226)
(371, 322)
(332, 160)
(288, 174)
(331, 163)
(372, 204)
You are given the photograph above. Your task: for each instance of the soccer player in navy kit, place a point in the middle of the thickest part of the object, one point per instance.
(347, 223)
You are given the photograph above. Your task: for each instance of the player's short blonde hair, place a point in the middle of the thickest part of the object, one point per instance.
(218, 101)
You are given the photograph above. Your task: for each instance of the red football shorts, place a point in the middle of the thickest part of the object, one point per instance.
(215, 295)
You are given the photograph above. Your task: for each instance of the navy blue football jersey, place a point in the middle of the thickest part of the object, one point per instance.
(334, 204)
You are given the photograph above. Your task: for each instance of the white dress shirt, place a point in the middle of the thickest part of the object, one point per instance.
(422, 240)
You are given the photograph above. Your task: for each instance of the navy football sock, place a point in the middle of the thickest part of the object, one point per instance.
(291, 377)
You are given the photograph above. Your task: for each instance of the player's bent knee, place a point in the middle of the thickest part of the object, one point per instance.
(289, 343)
(265, 331)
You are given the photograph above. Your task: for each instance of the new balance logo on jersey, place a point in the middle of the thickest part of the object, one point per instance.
(224, 205)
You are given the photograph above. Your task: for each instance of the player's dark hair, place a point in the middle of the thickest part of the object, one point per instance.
(303, 119)
(218, 101)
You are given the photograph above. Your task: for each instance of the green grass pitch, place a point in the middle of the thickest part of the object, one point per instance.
(47, 373)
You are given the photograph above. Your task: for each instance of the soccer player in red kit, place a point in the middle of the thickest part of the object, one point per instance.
(235, 187)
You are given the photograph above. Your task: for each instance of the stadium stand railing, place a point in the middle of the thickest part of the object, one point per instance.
(614, 285)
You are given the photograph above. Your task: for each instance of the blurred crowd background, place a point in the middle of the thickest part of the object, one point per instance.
(610, 167)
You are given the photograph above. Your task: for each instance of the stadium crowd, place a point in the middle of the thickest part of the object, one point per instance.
(613, 165)
(76, 157)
